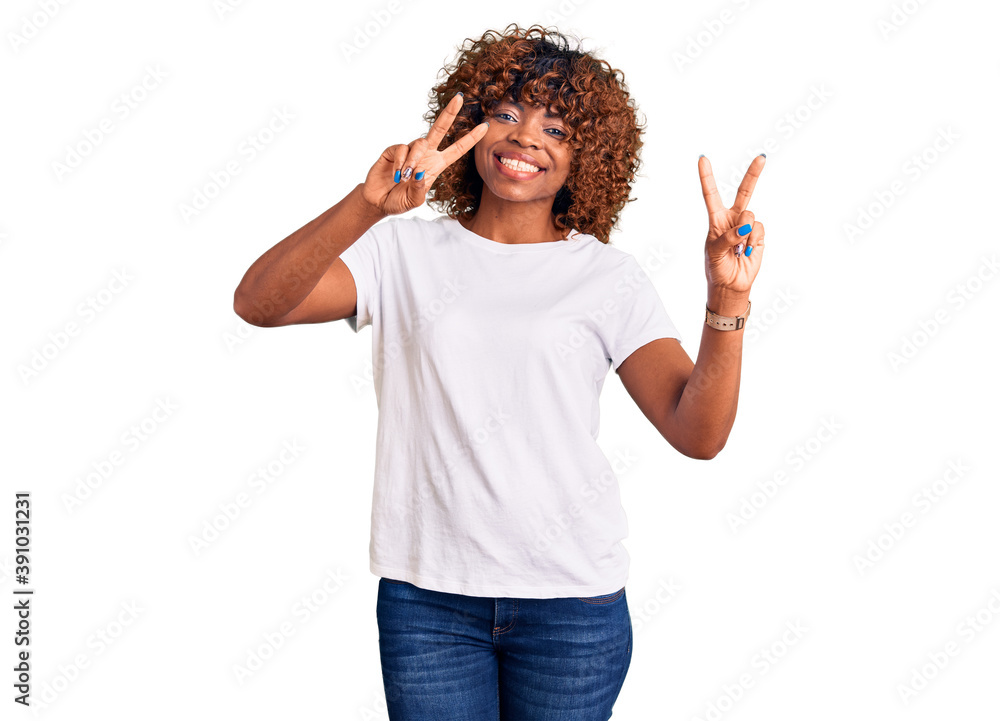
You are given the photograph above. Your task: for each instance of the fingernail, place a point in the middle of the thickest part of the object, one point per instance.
(461, 95)
(701, 156)
(407, 173)
(743, 229)
(739, 248)
(763, 155)
(395, 178)
(748, 251)
(419, 175)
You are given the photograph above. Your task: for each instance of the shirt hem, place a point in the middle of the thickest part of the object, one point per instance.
(353, 266)
(628, 349)
(495, 590)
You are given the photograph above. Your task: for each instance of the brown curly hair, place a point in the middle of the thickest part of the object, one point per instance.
(536, 65)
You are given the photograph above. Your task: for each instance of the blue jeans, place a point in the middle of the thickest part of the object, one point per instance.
(450, 656)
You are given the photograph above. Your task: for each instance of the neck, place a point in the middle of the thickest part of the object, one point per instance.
(514, 222)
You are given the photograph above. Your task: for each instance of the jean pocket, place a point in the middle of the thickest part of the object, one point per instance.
(606, 598)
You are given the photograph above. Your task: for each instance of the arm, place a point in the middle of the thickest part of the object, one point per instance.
(302, 279)
(693, 405)
(278, 289)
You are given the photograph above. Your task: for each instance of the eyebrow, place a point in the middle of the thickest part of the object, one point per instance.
(521, 107)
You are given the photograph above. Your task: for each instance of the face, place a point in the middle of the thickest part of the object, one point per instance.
(524, 155)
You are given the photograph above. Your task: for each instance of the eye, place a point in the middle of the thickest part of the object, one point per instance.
(500, 115)
(556, 130)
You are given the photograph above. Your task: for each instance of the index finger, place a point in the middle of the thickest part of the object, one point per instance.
(712, 200)
(748, 184)
(443, 122)
(459, 148)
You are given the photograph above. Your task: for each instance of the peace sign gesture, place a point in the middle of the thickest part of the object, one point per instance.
(735, 240)
(403, 174)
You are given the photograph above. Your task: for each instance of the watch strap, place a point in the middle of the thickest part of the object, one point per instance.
(726, 322)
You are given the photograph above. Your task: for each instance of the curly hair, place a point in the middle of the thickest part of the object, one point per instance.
(536, 65)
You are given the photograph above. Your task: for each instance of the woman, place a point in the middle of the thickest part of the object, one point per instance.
(496, 519)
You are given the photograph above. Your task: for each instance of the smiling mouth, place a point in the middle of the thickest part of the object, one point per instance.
(518, 165)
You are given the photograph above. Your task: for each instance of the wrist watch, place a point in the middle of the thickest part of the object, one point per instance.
(726, 322)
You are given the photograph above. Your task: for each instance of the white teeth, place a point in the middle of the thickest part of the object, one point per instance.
(519, 165)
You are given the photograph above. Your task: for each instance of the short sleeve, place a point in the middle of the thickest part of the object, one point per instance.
(642, 317)
(366, 258)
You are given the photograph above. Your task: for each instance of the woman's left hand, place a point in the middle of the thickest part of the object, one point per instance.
(729, 272)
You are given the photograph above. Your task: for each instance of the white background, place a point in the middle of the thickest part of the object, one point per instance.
(845, 98)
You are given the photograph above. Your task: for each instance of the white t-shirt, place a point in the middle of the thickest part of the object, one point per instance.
(488, 361)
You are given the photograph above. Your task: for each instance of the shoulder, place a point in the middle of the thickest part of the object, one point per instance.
(389, 232)
(608, 257)
(418, 223)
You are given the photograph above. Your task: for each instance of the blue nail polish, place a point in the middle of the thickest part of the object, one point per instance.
(748, 251)
(743, 230)
(763, 155)
(395, 178)
(461, 95)
(701, 156)
(419, 175)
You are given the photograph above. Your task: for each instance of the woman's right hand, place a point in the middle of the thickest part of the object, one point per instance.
(392, 184)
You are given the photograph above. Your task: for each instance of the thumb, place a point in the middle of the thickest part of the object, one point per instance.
(738, 235)
(416, 190)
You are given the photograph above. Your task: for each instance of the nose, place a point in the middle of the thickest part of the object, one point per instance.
(526, 134)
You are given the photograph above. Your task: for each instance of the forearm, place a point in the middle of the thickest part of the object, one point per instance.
(707, 406)
(283, 276)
